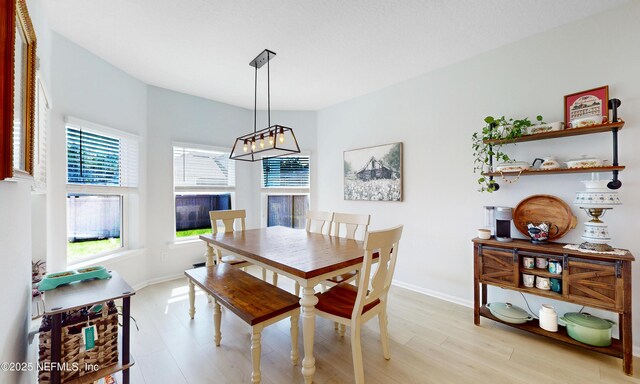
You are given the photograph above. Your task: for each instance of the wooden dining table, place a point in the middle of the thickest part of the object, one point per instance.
(307, 258)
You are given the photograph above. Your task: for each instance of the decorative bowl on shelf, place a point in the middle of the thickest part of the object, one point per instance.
(511, 166)
(585, 162)
(542, 128)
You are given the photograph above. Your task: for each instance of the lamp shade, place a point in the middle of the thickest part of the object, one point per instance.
(274, 141)
(597, 195)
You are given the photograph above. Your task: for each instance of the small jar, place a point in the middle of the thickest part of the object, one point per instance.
(548, 318)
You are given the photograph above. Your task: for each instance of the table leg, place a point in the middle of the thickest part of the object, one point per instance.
(56, 347)
(209, 255)
(192, 299)
(308, 303)
(126, 336)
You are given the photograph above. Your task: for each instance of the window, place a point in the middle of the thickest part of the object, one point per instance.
(102, 174)
(285, 183)
(40, 138)
(287, 171)
(204, 180)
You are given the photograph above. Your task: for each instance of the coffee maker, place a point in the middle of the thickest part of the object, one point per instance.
(499, 219)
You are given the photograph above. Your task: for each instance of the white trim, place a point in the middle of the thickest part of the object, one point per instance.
(201, 147)
(432, 293)
(158, 280)
(91, 189)
(74, 122)
(120, 255)
(186, 241)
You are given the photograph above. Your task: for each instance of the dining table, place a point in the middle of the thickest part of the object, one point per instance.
(305, 257)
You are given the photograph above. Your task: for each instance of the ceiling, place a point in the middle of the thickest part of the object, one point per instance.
(327, 50)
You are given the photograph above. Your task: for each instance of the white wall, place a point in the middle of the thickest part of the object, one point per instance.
(87, 87)
(16, 240)
(434, 116)
(177, 117)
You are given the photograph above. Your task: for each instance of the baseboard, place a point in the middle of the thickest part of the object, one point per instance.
(157, 280)
(432, 293)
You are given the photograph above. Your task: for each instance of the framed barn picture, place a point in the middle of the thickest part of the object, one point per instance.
(373, 173)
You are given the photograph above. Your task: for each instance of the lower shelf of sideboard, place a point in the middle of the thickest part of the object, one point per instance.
(615, 349)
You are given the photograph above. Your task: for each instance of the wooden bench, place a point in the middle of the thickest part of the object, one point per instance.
(256, 302)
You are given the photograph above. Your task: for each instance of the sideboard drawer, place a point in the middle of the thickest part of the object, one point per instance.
(595, 283)
(498, 266)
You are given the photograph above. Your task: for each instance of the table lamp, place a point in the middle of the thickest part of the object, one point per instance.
(595, 201)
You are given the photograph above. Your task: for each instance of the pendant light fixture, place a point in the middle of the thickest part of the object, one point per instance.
(273, 141)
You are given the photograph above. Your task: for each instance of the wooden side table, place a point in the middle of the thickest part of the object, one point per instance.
(82, 294)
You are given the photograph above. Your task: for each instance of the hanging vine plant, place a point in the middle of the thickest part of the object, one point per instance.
(484, 153)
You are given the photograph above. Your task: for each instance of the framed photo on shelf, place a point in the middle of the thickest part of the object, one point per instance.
(588, 107)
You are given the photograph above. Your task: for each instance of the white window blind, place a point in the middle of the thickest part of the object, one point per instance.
(40, 140)
(101, 156)
(195, 167)
(290, 171)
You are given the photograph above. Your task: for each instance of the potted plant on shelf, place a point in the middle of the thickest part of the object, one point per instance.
(486, 153)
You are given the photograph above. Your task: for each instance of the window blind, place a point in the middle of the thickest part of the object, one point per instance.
(101, 159)
(202, 168)
(290, 171)
(40, 140)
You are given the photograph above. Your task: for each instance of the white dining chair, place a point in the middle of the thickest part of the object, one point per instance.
(231, 220)
(354, 306)
(348, 224)
(316, 222)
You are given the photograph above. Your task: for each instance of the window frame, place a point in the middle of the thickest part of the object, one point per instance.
(199, 190)
(125, 192)
(265, 192)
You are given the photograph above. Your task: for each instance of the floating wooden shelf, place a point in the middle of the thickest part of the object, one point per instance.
(561, 133)
(533, 326)
(531, 172)
(541, 272)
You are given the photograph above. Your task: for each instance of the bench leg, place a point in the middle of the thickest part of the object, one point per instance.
(275, 279)
(192, 299)
(294, 336)
(216, 322)
(264, 274)
(256, 330)
(297, 289)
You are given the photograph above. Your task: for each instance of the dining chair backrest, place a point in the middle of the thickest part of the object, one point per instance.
(385, 244)
(351, 222)
(228, 219)
(317, 221)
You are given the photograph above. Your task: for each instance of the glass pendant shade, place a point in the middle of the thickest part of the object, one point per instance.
(272, 148)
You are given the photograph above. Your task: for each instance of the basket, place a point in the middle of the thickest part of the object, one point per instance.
(75, 361)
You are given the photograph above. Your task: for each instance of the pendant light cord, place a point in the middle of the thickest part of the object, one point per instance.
(268, 90)
(255, 98)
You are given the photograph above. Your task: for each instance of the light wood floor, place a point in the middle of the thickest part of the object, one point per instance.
(432, 341)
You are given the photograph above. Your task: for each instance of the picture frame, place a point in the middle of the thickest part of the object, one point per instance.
(373, 173)
(590, 103)
(18, 84)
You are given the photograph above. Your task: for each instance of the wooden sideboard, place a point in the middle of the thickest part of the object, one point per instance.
(594, 280)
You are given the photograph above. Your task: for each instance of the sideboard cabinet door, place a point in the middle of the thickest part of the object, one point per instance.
(498, 266)
(595, 283)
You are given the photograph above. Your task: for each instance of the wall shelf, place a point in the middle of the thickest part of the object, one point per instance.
(614, 127)
(556, 171)
(561, 133)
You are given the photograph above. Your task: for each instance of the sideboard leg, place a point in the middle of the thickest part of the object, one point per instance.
(625, 322)
(476, 288)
